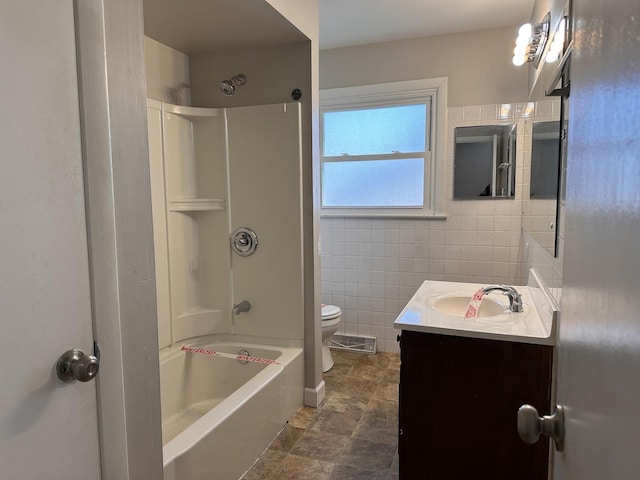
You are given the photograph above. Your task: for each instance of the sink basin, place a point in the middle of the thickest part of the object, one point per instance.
(438, 307)
(455, 304)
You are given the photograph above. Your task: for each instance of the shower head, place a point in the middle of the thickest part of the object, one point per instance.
(228, 87)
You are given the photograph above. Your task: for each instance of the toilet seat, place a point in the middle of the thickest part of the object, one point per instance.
(330, 312)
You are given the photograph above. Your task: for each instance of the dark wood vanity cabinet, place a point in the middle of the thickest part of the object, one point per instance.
(458, 403)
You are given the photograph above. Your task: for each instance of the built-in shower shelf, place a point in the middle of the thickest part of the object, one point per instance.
(191, 113)
(197, 205)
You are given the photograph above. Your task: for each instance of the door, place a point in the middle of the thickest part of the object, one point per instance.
(599, 352)
(48, 429)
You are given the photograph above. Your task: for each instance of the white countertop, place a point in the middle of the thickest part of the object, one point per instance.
(536, 324)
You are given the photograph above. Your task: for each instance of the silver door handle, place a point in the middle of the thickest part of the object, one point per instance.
(531, 426)
(76, 365)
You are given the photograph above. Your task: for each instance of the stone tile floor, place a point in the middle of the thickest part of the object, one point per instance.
(351, 436)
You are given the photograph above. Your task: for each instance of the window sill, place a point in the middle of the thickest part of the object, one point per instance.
(422, 216)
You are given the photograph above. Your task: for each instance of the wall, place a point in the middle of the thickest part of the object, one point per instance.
(167, 73)
(372, 267)
(537, 215)
(272, 73)
(478, 65)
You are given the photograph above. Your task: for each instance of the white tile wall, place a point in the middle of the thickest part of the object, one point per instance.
(537, 213)
(372, 267)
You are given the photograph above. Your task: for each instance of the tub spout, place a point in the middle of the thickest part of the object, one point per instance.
(243, 306)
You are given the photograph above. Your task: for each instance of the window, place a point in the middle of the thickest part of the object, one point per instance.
(380, 149)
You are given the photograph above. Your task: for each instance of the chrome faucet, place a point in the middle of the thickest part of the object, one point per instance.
(243, 306)
(515, 301)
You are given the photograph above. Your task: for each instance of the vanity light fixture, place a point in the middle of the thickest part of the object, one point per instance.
(557, 45)
(531, 42)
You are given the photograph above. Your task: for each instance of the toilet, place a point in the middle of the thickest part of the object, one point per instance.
(331, 316)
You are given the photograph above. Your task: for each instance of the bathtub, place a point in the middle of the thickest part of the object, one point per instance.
(219, 414)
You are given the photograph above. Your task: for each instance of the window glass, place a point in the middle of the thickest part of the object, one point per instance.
(382, 149)
(374, 183)
(375, 130)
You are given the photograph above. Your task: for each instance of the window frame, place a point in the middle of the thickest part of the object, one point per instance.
(431, 91)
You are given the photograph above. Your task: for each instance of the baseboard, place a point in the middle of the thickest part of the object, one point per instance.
(313, 397)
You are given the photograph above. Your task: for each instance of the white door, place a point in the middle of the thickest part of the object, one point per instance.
(48, 429)
(599, 353)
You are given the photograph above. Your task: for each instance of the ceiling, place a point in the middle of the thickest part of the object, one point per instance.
(355, 22)
(199, 26)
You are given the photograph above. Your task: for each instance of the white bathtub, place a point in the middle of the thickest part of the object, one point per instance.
(219, 414)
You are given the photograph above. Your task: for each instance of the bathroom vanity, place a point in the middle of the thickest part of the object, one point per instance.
(462, 382)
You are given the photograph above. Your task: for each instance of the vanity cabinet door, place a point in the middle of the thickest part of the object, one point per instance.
(458, 403)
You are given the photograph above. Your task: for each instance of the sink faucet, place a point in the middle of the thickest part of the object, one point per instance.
(515, 301)
(243, 306)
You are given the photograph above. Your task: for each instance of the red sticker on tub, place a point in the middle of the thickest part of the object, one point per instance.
(243, 358)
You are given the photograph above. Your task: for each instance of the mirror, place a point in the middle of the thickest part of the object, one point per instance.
(541, 161)
(484, 162)
(545, 150)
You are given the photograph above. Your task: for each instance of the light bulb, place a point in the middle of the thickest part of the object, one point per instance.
(552, 56)
(525, 30)
(518, 60)
(559, 41)
(522, 40)
(520, 50)
(561, 27)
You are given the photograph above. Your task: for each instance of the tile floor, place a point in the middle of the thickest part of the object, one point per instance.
(352, 436)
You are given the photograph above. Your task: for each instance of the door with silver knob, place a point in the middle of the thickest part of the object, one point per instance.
(76, 365)
(531, 425)
(48, 429)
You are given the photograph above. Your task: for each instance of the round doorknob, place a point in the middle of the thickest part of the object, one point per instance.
(76, 365)
(531, 426)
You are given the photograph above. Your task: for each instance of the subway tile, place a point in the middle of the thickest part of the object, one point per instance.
(406, 224)
(406, 250)
(364, 223)
(364, 305)
(378, 235)
(421, 251)
(377, 291)
(364, 262)
(351, 262)
(436, 252)
(392, 278)
(471, 113)
(377, 277)
(364, 289)
(337, 235)
(489, 112)
(391, 264)
(455, 114)
(406, 236)
(351, 301)
(377, 250)
(377, 306)
(436, 237)
(365, 329)
(391, 250)
(351, 276)
(392, 236)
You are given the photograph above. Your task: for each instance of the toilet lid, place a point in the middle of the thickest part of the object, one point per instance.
(330, 311)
